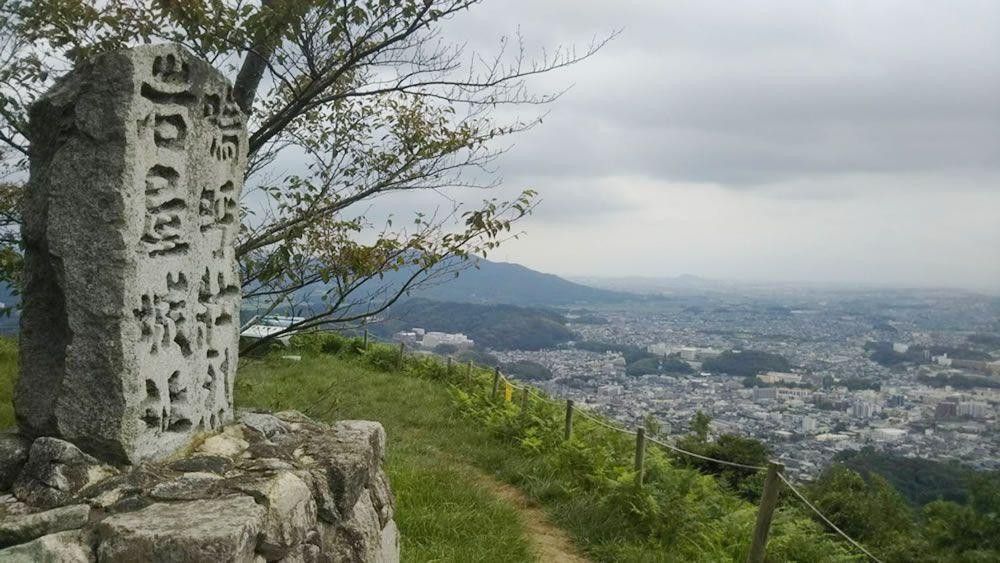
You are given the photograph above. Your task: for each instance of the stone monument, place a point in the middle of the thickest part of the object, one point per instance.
(128, 448)
(131, 310)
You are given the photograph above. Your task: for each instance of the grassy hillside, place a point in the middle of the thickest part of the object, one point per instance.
(449, 439)
(586, 485)
(444, 513)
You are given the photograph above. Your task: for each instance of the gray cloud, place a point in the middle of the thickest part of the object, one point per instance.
(820, 140)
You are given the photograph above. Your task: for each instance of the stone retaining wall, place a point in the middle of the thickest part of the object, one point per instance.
(269, 488)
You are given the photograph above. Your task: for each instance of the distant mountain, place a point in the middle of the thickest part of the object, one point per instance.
(504, 282)
(489, 283)
(498, 327)
(652, 285)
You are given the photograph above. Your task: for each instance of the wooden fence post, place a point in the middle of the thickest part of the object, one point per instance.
(640, 454)
(449, 366)
(402, 350)
(496, 383)
(768, 500)
(524, 402)
(468, 374)
(569, 419)
(366, 339)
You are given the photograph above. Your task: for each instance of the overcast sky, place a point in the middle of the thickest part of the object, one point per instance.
(845, 141)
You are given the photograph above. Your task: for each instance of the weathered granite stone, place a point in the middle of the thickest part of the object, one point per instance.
(219, 530)
(111, 491)
(348, 458)
(131, 306)
(264, 425)
(13, 454)
(20, 529)
(55, 471)
(189, 486)
(281, 508)
(305, 553)
(203, 464)
(388, 551)
(382, 498)
(62, 547)
(291, 512)
(223, 445)
(356, 539)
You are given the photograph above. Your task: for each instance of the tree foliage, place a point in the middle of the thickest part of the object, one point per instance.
(746, 363)
(367, 95)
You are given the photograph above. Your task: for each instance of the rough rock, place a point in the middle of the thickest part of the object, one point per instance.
(203, 464)
(291, 512)
(266, 425)
(13, 454)
(218, 530)
(20, 529)
(388, 551)
(62, 547)
(305, 553)
(111, 491)
(189, 486)
(356, 539)
(55, 471)
(131, 303)
(382, 498)
(289, 506)
(223, 445)
(348, 458)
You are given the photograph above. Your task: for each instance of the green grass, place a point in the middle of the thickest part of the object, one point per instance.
(444, 436)
(443, 513)
(8, 375)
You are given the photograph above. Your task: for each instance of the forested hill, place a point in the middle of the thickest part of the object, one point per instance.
(504, 282)
(492, 326)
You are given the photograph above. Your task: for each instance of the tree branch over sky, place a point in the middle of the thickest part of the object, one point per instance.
(365, 97)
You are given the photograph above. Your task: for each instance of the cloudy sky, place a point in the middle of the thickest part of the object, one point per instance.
(845, 141)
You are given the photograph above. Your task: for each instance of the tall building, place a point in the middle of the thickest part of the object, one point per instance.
(946, 409)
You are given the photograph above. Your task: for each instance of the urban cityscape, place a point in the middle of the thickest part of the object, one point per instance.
(917, 399)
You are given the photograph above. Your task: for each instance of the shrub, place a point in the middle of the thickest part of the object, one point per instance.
(317, 343)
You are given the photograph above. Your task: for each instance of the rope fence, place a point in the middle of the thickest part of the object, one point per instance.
(825, 519)
(775, 471)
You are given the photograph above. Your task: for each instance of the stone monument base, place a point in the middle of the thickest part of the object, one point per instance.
(269, 488)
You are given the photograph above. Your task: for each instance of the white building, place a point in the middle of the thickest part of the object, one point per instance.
(888, 434)
(780, 377)
(432, 340)
(808, 424)
(974, 409)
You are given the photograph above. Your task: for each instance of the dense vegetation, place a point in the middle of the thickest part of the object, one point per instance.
(500, 327)
(876, 514)
(859, 384)
(746, 363)
(991, 341)
(637, 360)
(630, 353)
(958, 381)
(883, 354)
(920, 481)
(658, 365)
(527, 370)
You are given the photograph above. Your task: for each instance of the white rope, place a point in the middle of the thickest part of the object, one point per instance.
(631, 432)
(827, 520)
(602, 423)
(706, 458)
